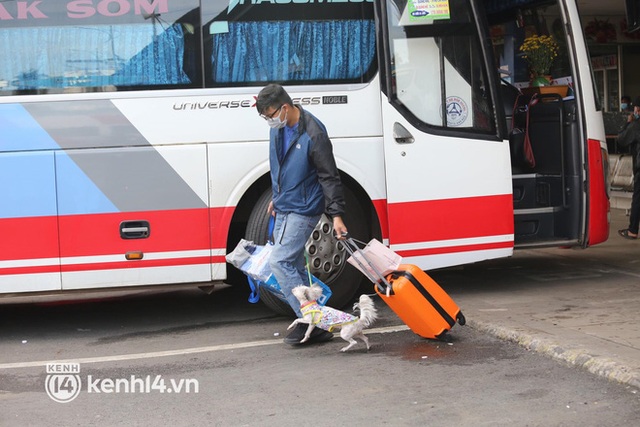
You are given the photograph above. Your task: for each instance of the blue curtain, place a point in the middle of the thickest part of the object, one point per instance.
(293, 51)
(158, 63)
(62, 57)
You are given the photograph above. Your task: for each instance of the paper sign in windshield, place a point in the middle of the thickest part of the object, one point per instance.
(428, 10)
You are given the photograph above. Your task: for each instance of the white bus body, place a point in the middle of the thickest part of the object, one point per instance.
(131, 153)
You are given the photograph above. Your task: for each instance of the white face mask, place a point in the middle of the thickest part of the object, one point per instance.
(276, 123)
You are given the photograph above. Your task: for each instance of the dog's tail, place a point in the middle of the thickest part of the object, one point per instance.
(368, 312)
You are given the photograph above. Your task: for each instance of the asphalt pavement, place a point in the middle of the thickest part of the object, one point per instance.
(585, 316)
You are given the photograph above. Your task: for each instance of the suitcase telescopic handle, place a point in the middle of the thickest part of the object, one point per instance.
(352, 247)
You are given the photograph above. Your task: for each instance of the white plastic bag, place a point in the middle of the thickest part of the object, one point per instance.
(241, 253)
(257, 266)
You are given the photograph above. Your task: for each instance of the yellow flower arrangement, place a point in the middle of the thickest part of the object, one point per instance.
(539, 51)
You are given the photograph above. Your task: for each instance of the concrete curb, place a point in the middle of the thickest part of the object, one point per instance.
(601, 366)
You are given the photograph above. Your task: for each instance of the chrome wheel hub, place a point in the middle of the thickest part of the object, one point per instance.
(326, 254)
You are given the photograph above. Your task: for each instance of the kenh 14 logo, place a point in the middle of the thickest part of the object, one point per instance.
(63, 382)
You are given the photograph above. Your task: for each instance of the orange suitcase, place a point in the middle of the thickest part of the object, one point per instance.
(420, 302)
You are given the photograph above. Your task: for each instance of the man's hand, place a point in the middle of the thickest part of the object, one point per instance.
(270, 209)
(339, 228)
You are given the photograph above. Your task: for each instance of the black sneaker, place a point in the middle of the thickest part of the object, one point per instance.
(296, 335)
(317, 335)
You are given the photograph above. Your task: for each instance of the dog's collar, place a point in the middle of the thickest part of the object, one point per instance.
(307, 304)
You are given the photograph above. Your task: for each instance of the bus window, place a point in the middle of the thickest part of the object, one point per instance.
(508, 32)
(255, 44)
(438, 72)
(80, 47)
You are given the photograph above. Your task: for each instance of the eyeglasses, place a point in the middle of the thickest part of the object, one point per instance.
(272, 115)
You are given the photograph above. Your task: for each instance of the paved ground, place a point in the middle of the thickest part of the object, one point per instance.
(586, 316)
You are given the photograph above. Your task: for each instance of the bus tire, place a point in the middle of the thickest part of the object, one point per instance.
(327, 256)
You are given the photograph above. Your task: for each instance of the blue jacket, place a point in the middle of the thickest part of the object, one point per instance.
(306, 180)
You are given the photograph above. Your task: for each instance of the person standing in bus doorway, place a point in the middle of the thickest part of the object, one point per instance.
(630, 137)
(625, 104)
(305, 183)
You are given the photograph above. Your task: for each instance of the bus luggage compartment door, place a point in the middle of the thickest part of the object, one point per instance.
(133, 216)
(29, 253)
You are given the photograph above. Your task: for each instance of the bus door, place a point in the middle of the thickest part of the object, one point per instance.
(560, 192)
(29, 253)
(447, 168)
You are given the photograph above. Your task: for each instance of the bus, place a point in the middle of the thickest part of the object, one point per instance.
(132, 155)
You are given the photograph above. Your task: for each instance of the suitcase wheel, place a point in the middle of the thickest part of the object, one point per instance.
(461, 319)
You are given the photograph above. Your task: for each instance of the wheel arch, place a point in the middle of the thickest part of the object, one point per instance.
(365, 201)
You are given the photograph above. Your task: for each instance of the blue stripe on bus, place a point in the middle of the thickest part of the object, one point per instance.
(19, 131)
(77, 194)
(28, 172)
(27, 185)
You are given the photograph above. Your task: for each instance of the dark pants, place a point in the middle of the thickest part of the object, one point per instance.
(634, 215)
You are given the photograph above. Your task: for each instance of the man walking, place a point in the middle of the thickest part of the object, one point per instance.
(630, 137)
(305, 183)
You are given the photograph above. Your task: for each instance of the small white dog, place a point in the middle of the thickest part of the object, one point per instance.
(329, 318)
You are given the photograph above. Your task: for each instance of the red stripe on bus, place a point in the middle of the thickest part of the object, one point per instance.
(28, 238)
(218, 259)
(449, 219)
(220, 224)
(99, 234)
(455, 249)
(599, 206)
(381, 209)
(30, 270)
